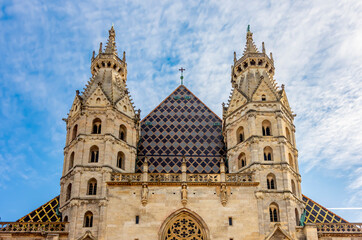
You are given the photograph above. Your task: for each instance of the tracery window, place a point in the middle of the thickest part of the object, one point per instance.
(69, 192)
(240, 135)
(71, 161)
(274, 212)
(120, 160)
(75, 130)
(94, 154)
(185, 227)
(287, 133)
(270, 180)
(266, 127)
(88, 219)
(92, 187)
(294, 191)
(268, 154)
(291, 162)
(97, 126)
(242, 160)
(122, 132)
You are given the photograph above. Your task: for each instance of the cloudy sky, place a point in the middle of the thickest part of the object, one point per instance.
(46, 48)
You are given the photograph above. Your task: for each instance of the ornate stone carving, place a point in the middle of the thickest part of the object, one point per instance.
(184, 194)
(223, 194)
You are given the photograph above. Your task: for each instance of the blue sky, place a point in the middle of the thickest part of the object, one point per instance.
(46, 48)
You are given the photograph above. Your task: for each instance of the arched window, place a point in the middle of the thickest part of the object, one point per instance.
(270, 181)
(266, 127)
(293, 188)
(263, 97)
(71, 161)
(287, 133)
(88, 219)
(120, 160)
(240, 135)
(274, 212)
(92, 187)
(296, 217)
(69, 192)
(75, 130)
(65, 219)
(291, 162)
(94, 154)
(268, 154)
(122, 132)
(97, 126)
(241, 160)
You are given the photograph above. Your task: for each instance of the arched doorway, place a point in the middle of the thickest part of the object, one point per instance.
(184, 225)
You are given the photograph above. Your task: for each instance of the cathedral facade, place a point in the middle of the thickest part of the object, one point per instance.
(182, 172)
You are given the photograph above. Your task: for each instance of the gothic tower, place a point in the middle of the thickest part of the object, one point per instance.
(259, 134)
(102, 135)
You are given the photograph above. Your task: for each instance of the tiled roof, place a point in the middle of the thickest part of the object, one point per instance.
(180, 126)
(316, 213)
(45, 213)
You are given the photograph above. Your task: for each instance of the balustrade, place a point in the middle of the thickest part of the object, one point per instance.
(33, 226)
(339, 228)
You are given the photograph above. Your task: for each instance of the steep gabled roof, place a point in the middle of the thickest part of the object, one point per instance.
(45, 213)
(180, 126)
(316, 213)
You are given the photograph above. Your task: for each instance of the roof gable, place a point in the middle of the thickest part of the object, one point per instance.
(180, 126)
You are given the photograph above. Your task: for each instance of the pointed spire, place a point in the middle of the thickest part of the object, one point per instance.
(111, 43)
(250, 45)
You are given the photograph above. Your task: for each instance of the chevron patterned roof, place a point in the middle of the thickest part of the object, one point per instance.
(316, 213)
(180, 126)
(45, 213)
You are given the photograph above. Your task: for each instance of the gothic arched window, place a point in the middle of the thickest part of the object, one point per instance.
(270, 181)
(97, 126)
(65, 219)
(94, 154)
(274, 212)
(291, 162)
(69, 192)
(120, 160)
(287, 133)
(122, 133)
(75, 130)
(88, 219)
(241, 160)
(266, 128)
(296, 217)
(71, 161)
(268, 154)
(294, 191)
(184, 226)
(240, 135)
(92, 187)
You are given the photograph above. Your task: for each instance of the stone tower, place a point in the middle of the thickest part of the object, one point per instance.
(259, 134)
(102, 135)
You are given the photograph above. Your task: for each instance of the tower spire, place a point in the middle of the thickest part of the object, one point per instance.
(250, 45)
(111, 43)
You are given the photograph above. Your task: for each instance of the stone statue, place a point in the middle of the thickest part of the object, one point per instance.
(144, 194)
(223, 194)
(184, 194)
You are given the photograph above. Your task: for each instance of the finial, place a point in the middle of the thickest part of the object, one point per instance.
(94, 53)
(111, 43)
(124, 56)
(263, 47)
(271, 56)
(250, 46)
(77, 92)
(100, 48)
(182, 76)
(248, 30)
(283, 86)
(234, 57)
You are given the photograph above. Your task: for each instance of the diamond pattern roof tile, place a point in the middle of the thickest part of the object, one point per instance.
(181, 119)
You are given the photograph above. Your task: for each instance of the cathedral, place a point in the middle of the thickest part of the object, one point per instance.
(182, 172)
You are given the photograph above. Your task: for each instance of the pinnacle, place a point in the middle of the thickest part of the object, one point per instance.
(111, 43)
(250, 45)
